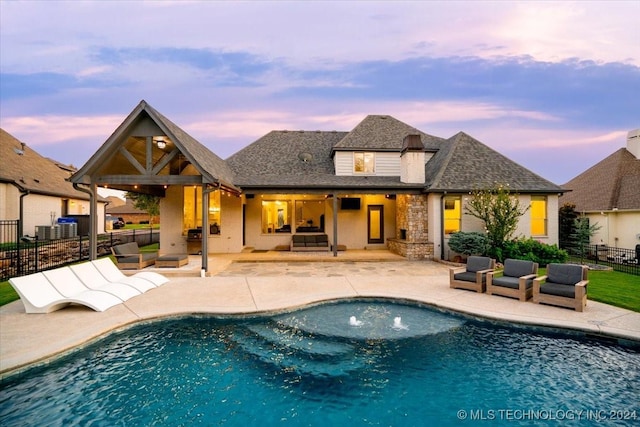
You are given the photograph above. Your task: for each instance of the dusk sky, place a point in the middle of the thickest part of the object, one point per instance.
(555, 86)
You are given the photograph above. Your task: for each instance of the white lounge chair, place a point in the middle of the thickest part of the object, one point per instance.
(93, 279)
(141, 284)
(113, 273)
(69, 285)
(39, 296)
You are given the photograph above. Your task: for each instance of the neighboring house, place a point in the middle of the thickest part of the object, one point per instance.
(384, 184)
(113, 201)
(129, 213)
(35, 189)
(608, 193)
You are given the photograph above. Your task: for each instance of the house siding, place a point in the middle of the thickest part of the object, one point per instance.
(618, 228)
(470, 223)
(387, 164)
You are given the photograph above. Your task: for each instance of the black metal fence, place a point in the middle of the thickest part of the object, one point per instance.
(20, 256)
(619, 259)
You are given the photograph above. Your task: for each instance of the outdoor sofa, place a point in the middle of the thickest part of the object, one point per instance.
(310, 242)
(516, 280)
(473, 276)
(128, 255)
(565, 285)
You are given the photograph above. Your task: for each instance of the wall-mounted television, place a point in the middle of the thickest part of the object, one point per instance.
(350, 203)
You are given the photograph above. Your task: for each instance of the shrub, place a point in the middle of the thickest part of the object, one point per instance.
(532, 250)
(469, 243)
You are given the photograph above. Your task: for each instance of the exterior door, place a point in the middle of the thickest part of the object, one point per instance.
(375, 224)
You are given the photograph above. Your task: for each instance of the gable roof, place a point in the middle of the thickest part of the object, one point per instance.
(28, 170)
(129, 141)
(124, 208)
(299, 159)
(613, 183)
(464, 163)
(383, 133)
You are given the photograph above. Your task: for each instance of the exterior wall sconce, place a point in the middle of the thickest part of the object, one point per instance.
(161, 144)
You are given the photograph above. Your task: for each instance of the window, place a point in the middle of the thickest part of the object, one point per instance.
(214, 212)
(452, 214)
(538, 216)
(192, 210)
(276, 216)
(310, 215)
(364, 163)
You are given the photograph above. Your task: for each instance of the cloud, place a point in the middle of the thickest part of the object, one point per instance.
(524, 77)
(35, 37)
(38, 131)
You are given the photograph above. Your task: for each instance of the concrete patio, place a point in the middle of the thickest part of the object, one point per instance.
(255, 283)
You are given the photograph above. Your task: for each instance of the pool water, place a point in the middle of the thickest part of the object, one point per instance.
(340, 364)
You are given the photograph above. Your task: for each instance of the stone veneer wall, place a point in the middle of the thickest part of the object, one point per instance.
(411, 216)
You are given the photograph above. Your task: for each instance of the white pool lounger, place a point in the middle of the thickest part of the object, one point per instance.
(39, 296)
(113, 273)
(68, 284)
(93, 279)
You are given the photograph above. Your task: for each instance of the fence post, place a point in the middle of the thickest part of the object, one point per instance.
(18, 240)
(35, 256)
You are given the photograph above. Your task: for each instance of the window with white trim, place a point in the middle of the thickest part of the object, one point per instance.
(538, 215)
(364, 162)
(452, 214)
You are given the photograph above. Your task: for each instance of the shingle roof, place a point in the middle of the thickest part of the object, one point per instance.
(383, 133)
(124, 208)
(612, 183)
(289, 159)
(29, 170)
(464, 163)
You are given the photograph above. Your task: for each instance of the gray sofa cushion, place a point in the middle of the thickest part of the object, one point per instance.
(518, 267)
(322, 240)
(172, 257)
(469, 276)
(298, 240)
(477, 263)
(558, 289)
(564, 274)
(126, 249)
(510, 282)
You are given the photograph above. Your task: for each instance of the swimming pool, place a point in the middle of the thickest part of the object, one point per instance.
(357, 363)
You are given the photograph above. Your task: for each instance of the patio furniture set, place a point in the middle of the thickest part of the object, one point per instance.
(129, 256)
(564, 285)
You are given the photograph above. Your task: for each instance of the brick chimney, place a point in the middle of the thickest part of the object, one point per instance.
(633, 142)
(412, 160)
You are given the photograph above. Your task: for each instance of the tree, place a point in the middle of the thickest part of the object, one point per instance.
(567, 222)
(499, 210)
(145, 202)
(582, 234)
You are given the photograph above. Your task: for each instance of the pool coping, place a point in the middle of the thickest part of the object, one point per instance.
(29, 340)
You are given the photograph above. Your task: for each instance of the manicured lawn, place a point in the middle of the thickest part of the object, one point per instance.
(609, 287)
(7, 294)
(615, 288)
(140, 227)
